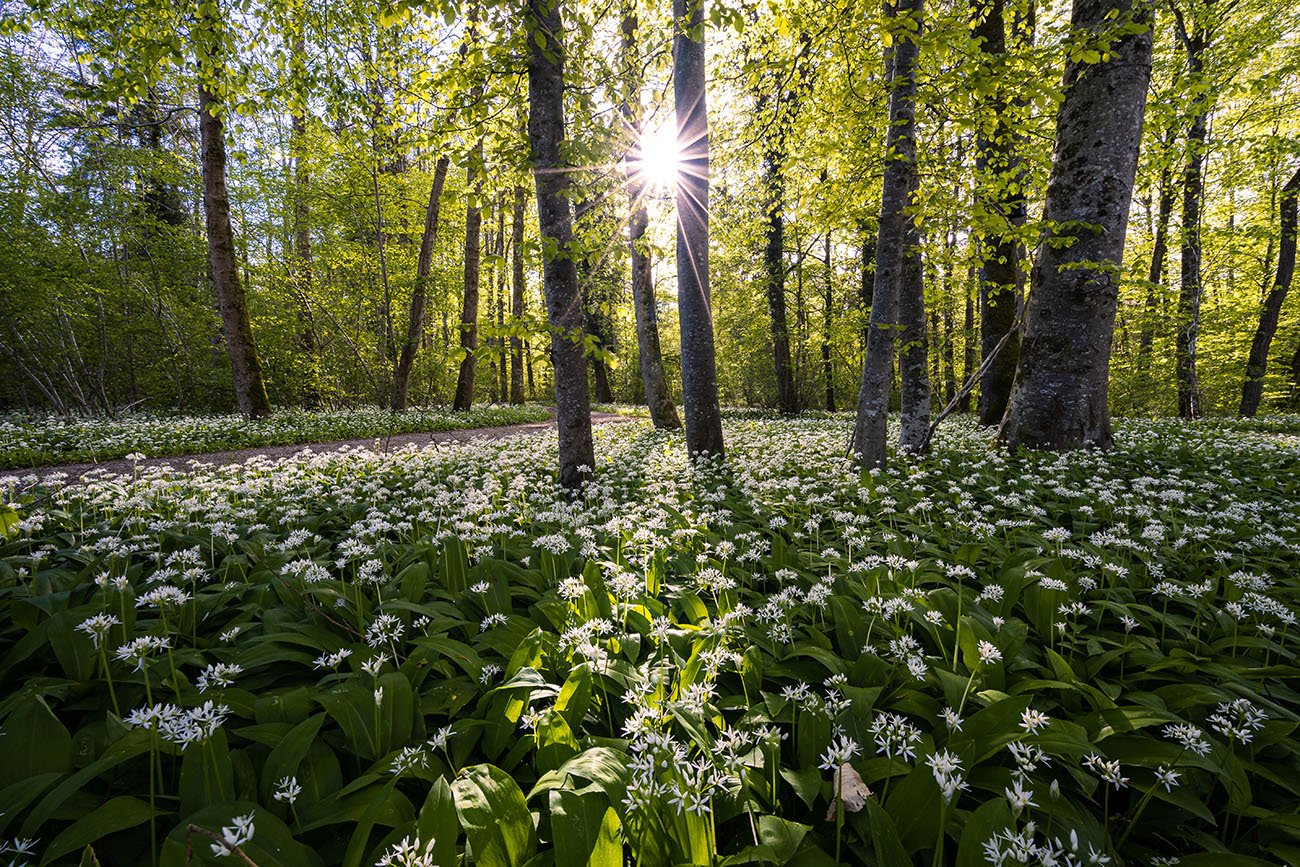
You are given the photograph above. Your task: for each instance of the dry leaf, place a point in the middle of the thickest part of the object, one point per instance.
(853, 791)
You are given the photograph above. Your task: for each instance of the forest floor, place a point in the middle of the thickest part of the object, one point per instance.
(238, 456)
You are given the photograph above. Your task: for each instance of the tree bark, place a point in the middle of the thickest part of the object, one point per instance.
(517, 286)
(246, 367)
(1059, 400)
(593, 319)
(1190, 288)
(828, 322)
(1257, 365)
(424, 262)
(659, 398)
(787, 396)
(699, 363)
(999, 169)
(543, 29)
(1156, 274)
(894, 236)
(469, 307)
(968, 332)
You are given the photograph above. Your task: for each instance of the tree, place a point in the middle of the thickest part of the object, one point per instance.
(659, 399)
(1257, 365)
(544, 31)
(464, 398)
(246, 366)
(419, 292)
(518, 284)
(1000, 180)
(897, 257)
(1196, 42)
(699, 365)
(1059, 399)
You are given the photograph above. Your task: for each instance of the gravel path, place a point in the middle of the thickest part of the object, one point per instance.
(378, 444)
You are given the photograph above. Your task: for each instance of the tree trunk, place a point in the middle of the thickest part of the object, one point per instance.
(999, 168)
(415, 324)
(867, 276)
(914, 355)
(1295, 377)
(1253, 388)
(1190, 288)
(968, 333)
(517, 286)
(828, 322)
(301, 275)
(893, 238)
(658, 397)
(559, 273)
(1060, 393)
(592, 317)
(787, 396)
(1156, 274)
(250, 390)
(503, 378)
(469, 308)
(699, 364)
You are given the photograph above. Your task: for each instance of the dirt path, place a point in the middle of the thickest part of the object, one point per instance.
(378, 444)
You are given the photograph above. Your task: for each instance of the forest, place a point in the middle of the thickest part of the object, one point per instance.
(443, 433)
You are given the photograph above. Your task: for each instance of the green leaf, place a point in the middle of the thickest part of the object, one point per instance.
(288, 755)
(439, 822)
(112, 816)
(585, 830)
(34, 742)
(495, 818)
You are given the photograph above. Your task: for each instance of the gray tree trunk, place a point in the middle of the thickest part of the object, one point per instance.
(787, 396)
(469, 307)
(424, 262)
(658, 397)
(893, 238)
(998, 167)
(828, 322)
(517, 286)
(246, 367)
(1190, 288)
(1156, 274)
(543, 29)
(1257, 365)
(1060, 393)
(699, 363)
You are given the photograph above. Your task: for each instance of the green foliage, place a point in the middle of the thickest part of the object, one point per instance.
(34, 441)
(439, 654)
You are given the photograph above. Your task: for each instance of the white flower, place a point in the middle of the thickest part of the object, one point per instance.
(288, 790)
(989, 652)
(235, 835)
(1032, 720)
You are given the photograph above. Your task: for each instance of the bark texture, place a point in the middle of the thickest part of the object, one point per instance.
(250, 390)
(419, 292)
(787, 396)
(469, 306)
(1190, 287)
(1257, 365)
(893, 237)
(998, 168)
(559, 272)
(518, 284)
(1156, 274)
(699, 363)
(1060, 393)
